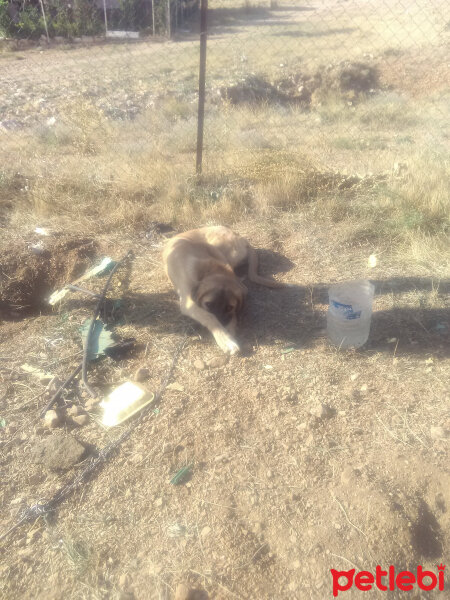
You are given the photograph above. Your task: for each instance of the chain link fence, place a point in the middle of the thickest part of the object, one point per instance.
(106, 91)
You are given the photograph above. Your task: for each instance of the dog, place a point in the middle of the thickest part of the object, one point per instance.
(200, 264)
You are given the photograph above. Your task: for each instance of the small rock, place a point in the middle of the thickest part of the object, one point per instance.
(74, 411)
(124, 580)
(199, 365)
(80, 420)
(205, 531)
(141, 374)
(183, 592)
(322, 411)
(354, 376)
(51, 419)
(438, 433)
(217, 361)
(364, 388)
(58, 452)
(158, 502)
(91, 403)
(16, 501)
(175, 386)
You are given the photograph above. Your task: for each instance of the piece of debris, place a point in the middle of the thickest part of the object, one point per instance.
(120, 350)
(372, 261)
(42, 231)
(175, 386)
(288, 350)
(43, 377)
(123, 402)
(106, 265)
(354, 376)
(80, 420)
(141, 374)
(52, 419)
(199, 364)
(182, 475)
(100, 338)
(176, 530)
(58, 452)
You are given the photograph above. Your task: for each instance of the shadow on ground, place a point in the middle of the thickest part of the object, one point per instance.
(296, 315)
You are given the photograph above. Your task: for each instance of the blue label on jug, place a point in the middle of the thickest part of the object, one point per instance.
(347, 309)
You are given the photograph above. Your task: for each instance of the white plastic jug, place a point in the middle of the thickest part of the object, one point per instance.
(350, 313)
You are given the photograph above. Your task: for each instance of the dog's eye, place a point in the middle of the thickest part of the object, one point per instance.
(209, 305)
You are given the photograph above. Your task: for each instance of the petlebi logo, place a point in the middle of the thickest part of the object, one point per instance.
(389, 580)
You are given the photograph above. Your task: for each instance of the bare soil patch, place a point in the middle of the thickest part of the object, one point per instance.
(280, 491)
(31, 270)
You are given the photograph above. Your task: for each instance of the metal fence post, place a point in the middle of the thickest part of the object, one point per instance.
(201, 84)
(169, 20)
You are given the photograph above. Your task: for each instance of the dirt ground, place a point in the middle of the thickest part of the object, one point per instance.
(281, 489)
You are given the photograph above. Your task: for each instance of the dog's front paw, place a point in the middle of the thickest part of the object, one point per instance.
(226, 342)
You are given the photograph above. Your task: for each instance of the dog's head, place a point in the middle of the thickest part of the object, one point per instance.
(222, 295)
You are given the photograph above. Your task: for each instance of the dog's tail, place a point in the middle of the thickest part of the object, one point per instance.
(253, 271)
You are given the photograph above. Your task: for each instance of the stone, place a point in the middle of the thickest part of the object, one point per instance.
(141, 374)
(217, 361)
(199, 364)
(74, 411)
(52, 419)
(175, 386)
(322, 411)
(205, 531)
(58, 452)
(80, 420)
(124, 580)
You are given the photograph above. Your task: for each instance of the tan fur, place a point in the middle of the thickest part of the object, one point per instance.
(200, 263)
